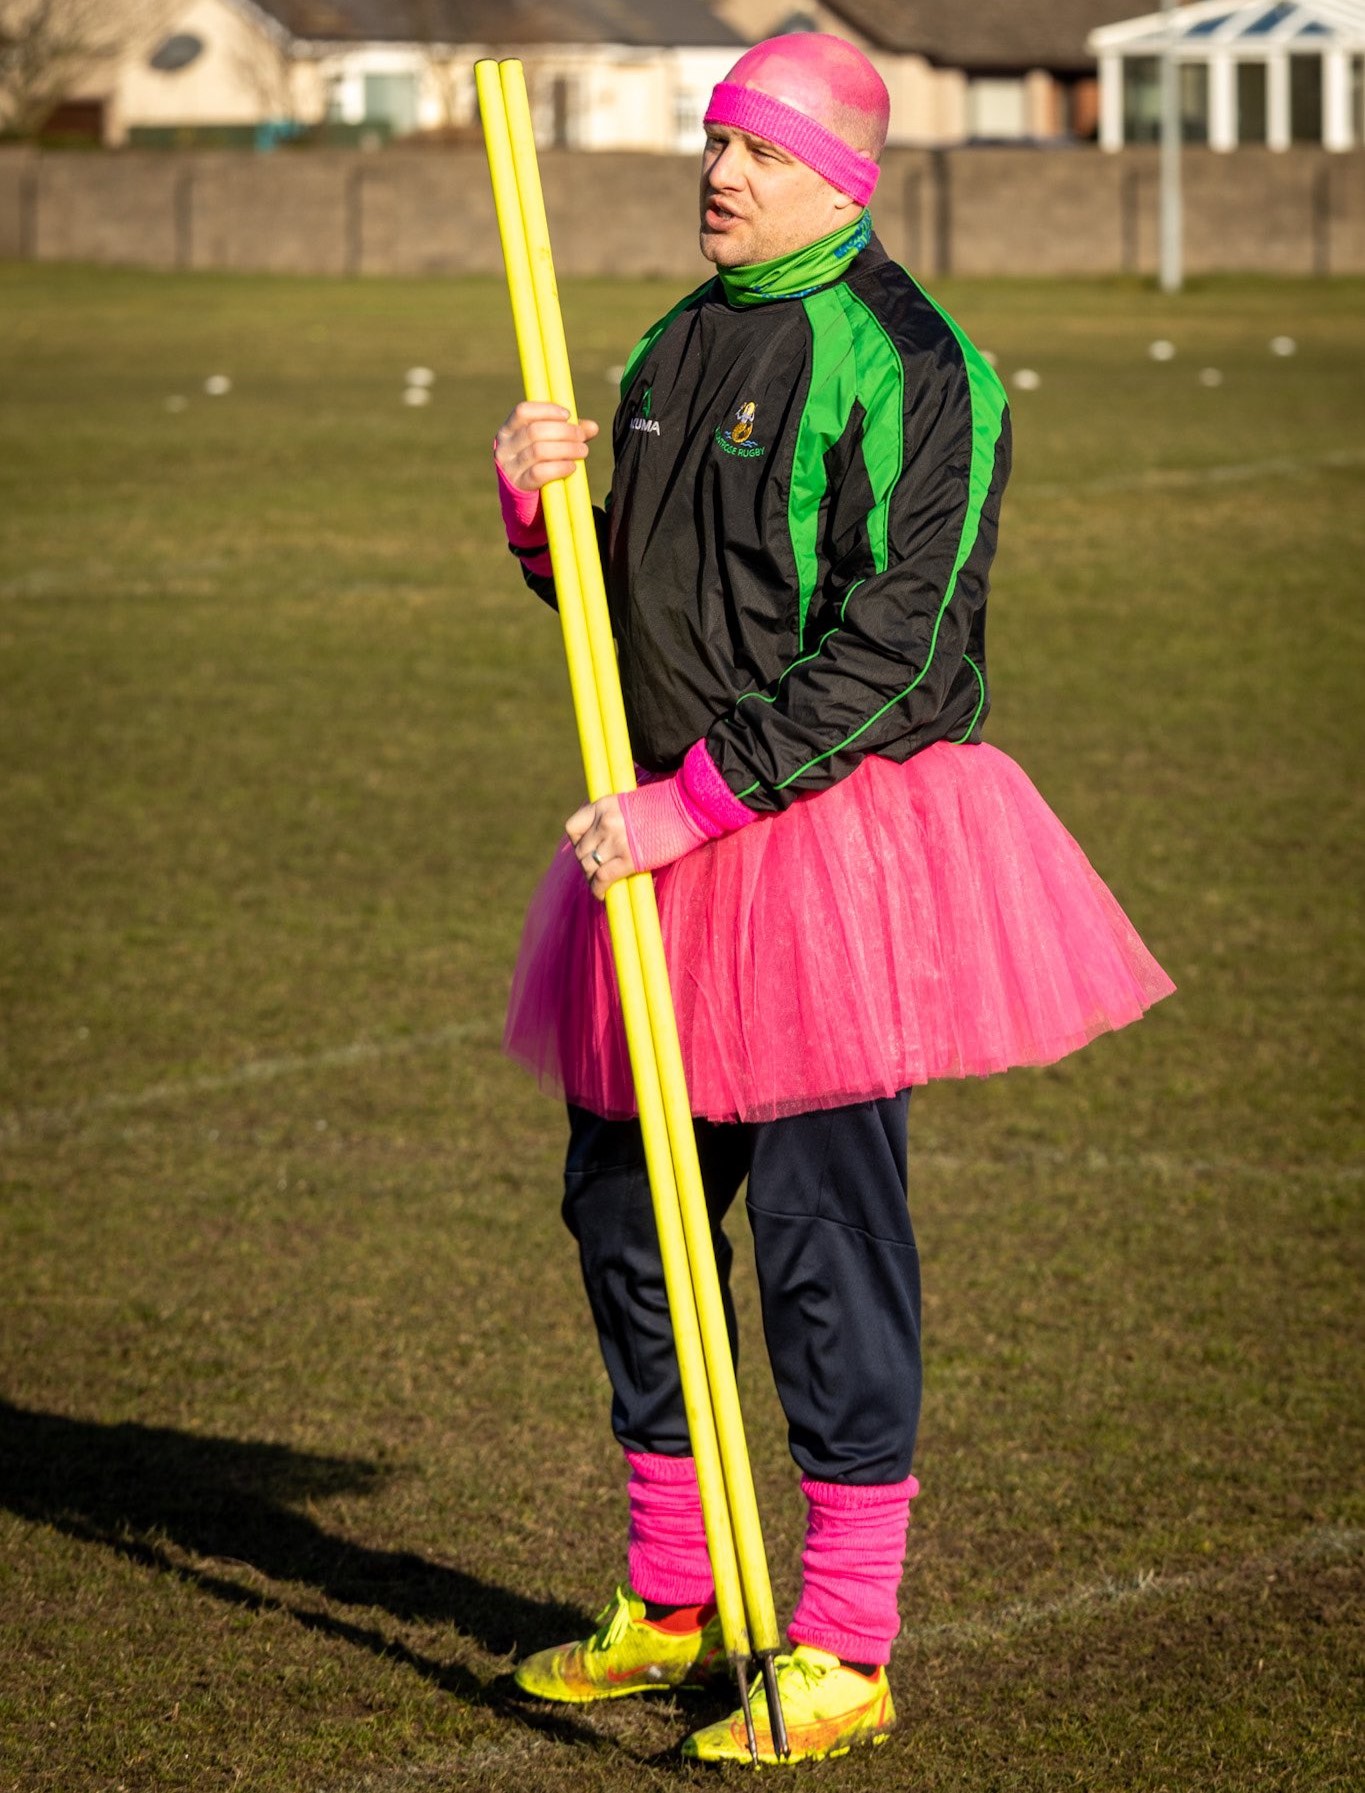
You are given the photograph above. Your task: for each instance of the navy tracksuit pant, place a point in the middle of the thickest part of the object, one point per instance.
(838, 1277)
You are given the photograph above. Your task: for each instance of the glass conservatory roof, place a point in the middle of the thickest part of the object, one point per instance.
(1256, 24)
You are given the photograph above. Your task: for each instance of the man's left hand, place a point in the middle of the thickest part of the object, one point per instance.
(598, 833)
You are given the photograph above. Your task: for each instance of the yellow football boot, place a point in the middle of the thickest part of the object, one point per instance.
(628, 1653)
(827, 1706)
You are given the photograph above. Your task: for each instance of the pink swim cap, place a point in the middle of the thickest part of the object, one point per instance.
(816, 96)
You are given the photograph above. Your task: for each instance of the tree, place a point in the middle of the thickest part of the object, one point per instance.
(448, 69)
(266, 66)
(48, 47)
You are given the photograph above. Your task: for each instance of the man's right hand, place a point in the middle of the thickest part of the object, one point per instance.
(538, 443)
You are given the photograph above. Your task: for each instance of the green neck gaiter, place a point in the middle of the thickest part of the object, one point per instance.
(803, 271)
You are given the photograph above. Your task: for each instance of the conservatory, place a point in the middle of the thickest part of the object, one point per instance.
(1269, 72)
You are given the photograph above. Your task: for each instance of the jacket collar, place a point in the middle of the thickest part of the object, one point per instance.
(803, 271)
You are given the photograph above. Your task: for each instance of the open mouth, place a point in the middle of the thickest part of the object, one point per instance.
(717, 216)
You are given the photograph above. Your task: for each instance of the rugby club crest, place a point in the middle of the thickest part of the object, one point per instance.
(738, 439)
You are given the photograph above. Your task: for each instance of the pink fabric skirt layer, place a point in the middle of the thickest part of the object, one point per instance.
(927, 920)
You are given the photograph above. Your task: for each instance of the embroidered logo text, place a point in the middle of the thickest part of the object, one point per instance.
(642, 419)
(738, 439)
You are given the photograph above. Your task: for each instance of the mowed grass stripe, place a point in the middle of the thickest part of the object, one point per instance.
(1159, 1165)
(261, 1070)
(1181, 478)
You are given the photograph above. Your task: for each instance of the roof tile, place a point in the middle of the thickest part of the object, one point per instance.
(988, 34)
(505, 23)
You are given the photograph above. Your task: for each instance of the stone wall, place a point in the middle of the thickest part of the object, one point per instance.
(966, 211)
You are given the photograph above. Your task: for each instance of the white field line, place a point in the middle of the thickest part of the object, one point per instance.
(1158, 479)
(259, 1070)
(1325, 1543)
(1158, 1165)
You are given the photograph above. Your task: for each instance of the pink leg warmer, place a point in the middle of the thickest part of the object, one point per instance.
(854, 1555)
(668, 1556)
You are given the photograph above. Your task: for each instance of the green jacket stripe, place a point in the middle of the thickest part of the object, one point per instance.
(881, 387)
(823, 421)
(651, 336)
(852, 360)
(987, 398)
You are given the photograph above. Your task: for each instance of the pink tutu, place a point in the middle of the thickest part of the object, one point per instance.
(912, 922)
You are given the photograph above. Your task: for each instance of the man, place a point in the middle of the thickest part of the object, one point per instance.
(856, 893)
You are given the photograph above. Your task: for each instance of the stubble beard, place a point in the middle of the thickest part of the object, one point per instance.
(718, 251)
(739, 247)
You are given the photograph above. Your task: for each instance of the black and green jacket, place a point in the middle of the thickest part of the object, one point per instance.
(809, 462)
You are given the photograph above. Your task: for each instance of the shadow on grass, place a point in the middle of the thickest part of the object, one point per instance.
(200, 1507)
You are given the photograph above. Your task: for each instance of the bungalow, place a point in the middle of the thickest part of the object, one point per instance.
(602, 76)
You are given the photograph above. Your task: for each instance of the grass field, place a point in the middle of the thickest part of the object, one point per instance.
(302, 1427)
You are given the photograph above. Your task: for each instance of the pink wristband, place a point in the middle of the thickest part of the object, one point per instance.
(658, 829)
(520, 513)
(525, 526)
(670, 816)
(708, 800)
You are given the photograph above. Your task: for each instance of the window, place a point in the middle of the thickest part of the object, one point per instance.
(687, 116)
(175, 53)
(1141, 99)
(1305, 99)
(1251, 102)
(1194, 102)
(392, 100)
(996, 109)
(563, 111)
(1268, 21)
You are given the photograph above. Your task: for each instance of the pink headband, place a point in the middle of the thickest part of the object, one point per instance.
(760, 115)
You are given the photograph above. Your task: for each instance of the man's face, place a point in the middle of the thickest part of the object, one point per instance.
(759, 202)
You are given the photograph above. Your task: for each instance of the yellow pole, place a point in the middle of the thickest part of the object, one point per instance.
(668, 1054)
(729, 1505)
(727, 1485)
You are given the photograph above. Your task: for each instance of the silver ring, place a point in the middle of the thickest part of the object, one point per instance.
(595, 856)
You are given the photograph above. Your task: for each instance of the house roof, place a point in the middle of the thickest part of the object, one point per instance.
(986, 34)
(678, 24)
